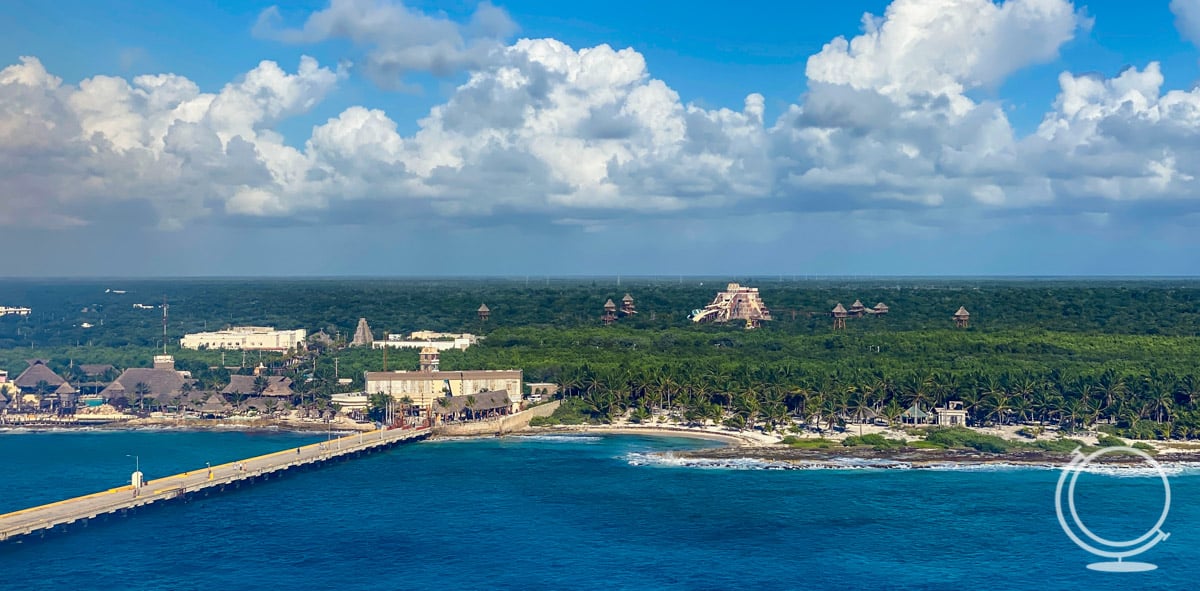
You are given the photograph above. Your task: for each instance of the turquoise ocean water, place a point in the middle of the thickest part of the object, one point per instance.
(576, 512)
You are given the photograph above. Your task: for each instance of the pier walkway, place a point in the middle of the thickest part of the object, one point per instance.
(202, 480)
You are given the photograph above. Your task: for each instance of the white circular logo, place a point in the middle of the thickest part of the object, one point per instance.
(1120, 549)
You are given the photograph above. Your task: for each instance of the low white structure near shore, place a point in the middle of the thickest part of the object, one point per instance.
(5, 311)
(351, 402)
(442, 341)
(247, 338)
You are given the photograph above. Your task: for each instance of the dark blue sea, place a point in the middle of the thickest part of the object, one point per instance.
(575, 512)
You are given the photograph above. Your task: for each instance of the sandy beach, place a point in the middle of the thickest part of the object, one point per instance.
(735, 439)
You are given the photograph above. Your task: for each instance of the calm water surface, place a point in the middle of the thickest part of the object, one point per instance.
(569, 513)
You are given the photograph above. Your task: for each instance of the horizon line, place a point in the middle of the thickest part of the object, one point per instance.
(792, 277)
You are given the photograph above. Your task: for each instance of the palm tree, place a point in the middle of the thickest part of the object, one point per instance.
(775, 411)
(42, 388)
(1001, 405)
(1189, 389)
(140, 391)
(406, 402)
(260, 385)
(1021, 409)
(1113, 389)
(892, 411)
(1162, 401)
(860, 409)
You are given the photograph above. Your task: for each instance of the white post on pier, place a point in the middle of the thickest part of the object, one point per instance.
(136, 479)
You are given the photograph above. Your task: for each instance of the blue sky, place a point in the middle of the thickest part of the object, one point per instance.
(951, 137)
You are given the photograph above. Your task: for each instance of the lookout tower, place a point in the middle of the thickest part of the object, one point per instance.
(610, 312)
(880, 308)
(857, 309)
(430, 359)
(484, 312)
(962, 317)
(627, 305)
(839, 316)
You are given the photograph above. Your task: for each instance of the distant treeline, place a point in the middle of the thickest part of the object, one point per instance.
(60, 309)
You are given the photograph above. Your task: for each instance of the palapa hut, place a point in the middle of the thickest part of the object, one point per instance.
(140, 384)
(215, 406)
(63, 396)
(857, 309)
(30, 380)
(627, 307)
(275, 386)
(962, 317)
(610, 312)
(484, 312)
(472, 406)
(839, 316)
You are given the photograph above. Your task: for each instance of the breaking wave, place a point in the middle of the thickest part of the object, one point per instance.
(673, 461)
(670, 460)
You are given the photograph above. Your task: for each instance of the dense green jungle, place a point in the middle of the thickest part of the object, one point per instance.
(1068, 352)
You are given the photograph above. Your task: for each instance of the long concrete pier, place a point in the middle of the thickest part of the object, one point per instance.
(204, 480)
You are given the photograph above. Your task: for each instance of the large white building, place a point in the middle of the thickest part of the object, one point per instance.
(5, 310)
(248, 338)
(442, 341)
(423, 387)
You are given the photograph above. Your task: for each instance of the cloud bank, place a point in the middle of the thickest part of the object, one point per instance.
(543, 131)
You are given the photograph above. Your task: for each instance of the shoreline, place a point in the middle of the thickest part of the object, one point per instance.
(195, 425)
(739, 449)
(735, 441)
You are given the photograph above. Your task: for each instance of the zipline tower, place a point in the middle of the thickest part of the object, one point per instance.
(962, 318)
(839, 317)
(610, 312)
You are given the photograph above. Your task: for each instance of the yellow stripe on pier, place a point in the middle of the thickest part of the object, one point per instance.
(122, 498)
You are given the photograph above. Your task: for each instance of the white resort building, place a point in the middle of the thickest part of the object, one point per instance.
(5, 311)
(248, 338)
(423, 387)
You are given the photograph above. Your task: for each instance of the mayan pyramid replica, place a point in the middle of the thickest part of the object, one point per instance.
(362, 334)
(735, 303)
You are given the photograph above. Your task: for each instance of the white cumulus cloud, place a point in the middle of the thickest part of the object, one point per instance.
(1187, 19)
(589, 136)
(398, 39)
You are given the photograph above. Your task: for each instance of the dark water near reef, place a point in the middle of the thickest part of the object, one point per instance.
(571, 513)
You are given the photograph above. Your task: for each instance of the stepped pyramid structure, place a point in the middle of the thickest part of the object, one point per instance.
(362, 334)
(735, 303)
